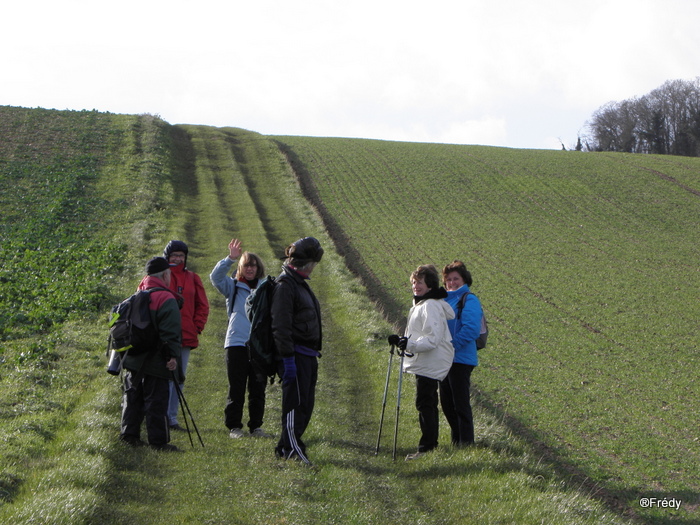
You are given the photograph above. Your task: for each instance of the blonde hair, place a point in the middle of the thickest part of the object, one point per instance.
(246, 259)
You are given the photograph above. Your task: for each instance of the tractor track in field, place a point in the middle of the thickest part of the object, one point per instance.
(661, 175)
(353, 259)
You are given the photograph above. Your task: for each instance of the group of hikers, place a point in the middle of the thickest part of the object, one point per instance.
(439, 344)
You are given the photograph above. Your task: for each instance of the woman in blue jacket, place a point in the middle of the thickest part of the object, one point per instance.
(465, 329)
(236, 288)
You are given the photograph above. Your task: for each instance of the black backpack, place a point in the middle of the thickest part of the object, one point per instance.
(130, 327)
(483, 335)
(261, 345)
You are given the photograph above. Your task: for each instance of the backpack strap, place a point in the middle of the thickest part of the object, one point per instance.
(462, 302)
(233, 297)
(178, 298)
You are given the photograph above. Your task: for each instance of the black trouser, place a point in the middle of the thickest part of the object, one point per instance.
(298, 399)
(148, 398)
(241, 374)
(428, 413)
(454, 398)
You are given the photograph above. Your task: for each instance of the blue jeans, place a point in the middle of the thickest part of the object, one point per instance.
(174, 402)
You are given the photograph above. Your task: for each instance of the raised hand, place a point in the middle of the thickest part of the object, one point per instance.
(234, 249)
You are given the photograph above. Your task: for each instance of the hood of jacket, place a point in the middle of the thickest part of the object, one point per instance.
(151, 281)
(176, 246)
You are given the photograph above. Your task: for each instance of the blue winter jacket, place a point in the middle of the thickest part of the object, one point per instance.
(238, 331)
(465, 329)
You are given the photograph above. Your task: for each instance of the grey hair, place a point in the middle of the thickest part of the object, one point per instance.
(160, 275)
(306, 265)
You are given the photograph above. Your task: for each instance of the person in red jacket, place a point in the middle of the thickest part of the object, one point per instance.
(194, 313)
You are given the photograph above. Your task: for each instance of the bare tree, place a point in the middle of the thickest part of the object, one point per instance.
(667, 120)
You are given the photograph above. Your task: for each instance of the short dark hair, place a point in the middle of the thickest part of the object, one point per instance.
(458, 266)
(429, 274)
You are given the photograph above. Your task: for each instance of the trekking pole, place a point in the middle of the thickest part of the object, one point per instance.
(183, 401)
(182, 407)
(398, 406)
(402, 353)
(386, 389)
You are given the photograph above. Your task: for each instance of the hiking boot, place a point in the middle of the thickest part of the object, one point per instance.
(260, 433)
(133, 441)
(415, 455)
(236, 433)
(165, 447)
(177, 427)
(293, 456)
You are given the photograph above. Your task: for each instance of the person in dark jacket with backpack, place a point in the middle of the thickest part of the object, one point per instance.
(296, 329)
(465, 329)
(236, 288)
(146, 381)
(193, 315)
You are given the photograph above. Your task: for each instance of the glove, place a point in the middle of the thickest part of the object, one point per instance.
(394, 340)
(290, 369)
(403, 343)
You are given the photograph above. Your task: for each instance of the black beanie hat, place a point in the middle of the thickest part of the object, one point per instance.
(157, 265)
(306, 249)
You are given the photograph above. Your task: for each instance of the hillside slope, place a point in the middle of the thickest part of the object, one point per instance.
(587, 265)
(61, 461)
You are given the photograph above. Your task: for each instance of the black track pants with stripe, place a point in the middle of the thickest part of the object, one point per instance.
(298, 398)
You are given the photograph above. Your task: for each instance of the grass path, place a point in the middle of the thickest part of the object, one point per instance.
(233, 183)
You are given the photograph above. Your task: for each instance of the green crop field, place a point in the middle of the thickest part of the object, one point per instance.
(588, 268)
(586, 265)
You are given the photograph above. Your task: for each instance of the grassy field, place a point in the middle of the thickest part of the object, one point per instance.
(105, 192)
(587, 267)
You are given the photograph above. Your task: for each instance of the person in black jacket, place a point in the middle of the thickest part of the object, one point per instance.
(296, 329)
(147, 391)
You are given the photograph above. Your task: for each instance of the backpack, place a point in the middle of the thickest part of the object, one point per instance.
(130, 328)
(261, 345)
(484, 333)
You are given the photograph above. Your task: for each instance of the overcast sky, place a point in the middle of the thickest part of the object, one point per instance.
(496, 72)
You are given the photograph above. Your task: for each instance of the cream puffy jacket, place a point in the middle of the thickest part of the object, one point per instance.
(429, 340)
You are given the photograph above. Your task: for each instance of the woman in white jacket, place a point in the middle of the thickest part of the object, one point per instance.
(429, 352)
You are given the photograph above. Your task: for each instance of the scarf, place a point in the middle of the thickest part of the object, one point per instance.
(251, 284)
(439, 293)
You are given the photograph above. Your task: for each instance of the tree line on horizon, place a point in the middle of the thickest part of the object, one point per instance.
(665, 121)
